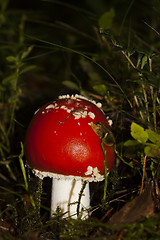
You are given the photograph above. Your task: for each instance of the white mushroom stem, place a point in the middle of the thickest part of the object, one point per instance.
(65, 194)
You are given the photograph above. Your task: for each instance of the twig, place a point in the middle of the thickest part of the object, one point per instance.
(80, 196)
(144, 174)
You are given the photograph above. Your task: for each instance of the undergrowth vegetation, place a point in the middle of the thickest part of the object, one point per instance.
(108, 52)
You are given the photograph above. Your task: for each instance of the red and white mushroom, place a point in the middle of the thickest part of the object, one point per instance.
(61, 143)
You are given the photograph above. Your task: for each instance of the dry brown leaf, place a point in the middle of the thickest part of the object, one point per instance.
(140, 207)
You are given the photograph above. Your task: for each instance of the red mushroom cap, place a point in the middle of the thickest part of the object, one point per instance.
(61, 141)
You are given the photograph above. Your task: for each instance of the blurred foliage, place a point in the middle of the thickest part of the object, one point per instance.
(109, 52)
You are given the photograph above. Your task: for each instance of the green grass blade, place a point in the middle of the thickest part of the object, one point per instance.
(71, 6)
(23, 167)
(67, 49)
(125, 16)
(105, 172)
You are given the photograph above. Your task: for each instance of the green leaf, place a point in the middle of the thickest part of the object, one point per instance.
(28, 68)
(138, 133)
(100, 88)
(27, 52)
(11, 59)
(131, 143)
(10, 79)
(153, 137)
(152, 150)
(106, 19)
(70, 85)
(139, 59)
(144, 61)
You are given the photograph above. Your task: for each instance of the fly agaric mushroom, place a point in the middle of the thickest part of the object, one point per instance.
(63, 141)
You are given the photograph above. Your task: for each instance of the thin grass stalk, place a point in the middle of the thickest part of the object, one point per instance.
(67, 49)
(105, 171)
(38, 198)
(138, 105)
(23, 167)
(146, 102)
(155, 111)
(7, 166)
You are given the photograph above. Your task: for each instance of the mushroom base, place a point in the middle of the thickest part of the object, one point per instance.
(68, 196)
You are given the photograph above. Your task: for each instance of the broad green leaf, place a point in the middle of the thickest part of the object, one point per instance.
(106, 19)
(100, 88)
(152, 150)
(138, 133)
(131, 143)
(153, 137)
